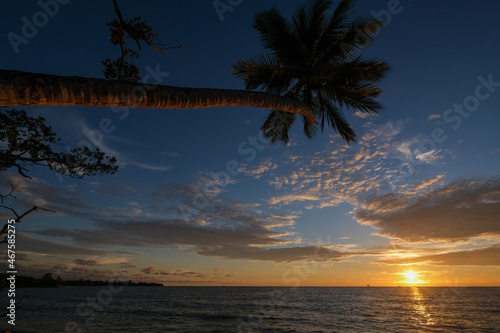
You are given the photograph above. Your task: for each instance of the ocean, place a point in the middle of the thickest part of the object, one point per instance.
(257, 309)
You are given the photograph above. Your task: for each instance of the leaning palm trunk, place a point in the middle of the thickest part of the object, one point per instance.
(33, 89)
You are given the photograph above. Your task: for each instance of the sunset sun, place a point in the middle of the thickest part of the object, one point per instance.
(412, 277)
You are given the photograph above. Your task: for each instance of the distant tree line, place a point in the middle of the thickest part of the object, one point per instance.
(47, 281)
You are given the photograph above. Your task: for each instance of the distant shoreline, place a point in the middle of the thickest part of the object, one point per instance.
(47, 281)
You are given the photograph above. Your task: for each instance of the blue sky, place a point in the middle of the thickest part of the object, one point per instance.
(419, 190)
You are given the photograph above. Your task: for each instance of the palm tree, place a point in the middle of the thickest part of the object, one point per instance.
(315, 59)
(312, 71)
(34, 89)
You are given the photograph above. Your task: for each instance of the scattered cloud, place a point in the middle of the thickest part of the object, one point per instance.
(145, 166)
(84, 262)
(257, 172)
(97, 139)
(60, 267)
(434, 116)
(222, 229)
(178, 272)
(149, 270)
(196, 217)
(287, 199)
(361, 114)
(126, 265)
(381, 162)
(415, 151)
(30, 244)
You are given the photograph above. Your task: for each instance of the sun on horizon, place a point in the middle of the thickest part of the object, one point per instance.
(412, 277)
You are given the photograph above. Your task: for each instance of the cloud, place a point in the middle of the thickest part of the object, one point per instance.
(414, 151)
(386, 131)
(363, 115)
(96, 137)
(126, 265)
(425, 185)
(458, 211)
(287, 199)
(434, 116)
(83, 262)
(19, 256)
(197, 218)
(44, 194)
(286, 254)
(61, 267)
(263, 168)
(38, 246)
(170, 220)
(221, 229)
(478, 257)
(149, 270)
(178, 272)
(127, 161)
(245, 241)
(380, 163)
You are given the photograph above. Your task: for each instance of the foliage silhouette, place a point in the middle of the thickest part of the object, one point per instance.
(315, 58)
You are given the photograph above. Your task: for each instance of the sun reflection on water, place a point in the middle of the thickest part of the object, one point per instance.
(423, 315)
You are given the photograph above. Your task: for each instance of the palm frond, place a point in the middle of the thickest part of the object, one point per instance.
(358, 70)
(356, 97)
(309, 131)
(359, 35)
(332, 115)
(263, 72)
(309, 21)
(277, 126)
(341, 15)
(276, 34)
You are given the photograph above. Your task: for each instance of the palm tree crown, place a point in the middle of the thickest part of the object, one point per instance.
(315, 59)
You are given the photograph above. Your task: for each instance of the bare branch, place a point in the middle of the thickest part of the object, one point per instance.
(9, 195)
(18, 218)
(11, 209)
(21, 170)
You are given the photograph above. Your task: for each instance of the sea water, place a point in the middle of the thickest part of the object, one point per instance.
(257, 309)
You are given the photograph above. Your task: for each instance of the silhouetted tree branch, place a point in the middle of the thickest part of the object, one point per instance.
(136, 29)
(18, 218)
(9, 195)
(26, 141)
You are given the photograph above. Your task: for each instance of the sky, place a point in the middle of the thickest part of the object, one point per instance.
(201, 198)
